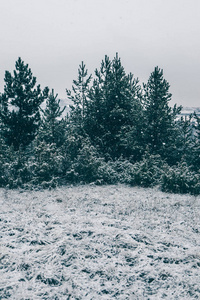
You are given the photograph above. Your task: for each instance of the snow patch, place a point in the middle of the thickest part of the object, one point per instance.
(99, 242)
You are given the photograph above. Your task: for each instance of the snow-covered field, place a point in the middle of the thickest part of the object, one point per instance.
(99, 242)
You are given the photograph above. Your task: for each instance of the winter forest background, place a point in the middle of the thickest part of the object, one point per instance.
(116, 131)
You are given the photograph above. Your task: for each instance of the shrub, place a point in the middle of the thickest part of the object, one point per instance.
(47, 165)
(148, 171)
(180, 179)
(16, 172)
(107, 173)
(85, 165)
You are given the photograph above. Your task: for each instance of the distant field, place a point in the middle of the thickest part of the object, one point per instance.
(186, 111)
(99, 242)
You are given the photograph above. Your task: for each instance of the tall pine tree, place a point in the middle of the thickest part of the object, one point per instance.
(114, 100)
(159, 117)
(20, 106)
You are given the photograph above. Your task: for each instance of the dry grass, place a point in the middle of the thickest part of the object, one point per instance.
(90, 242)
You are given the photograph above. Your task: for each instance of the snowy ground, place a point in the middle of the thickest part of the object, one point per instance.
(99, 242)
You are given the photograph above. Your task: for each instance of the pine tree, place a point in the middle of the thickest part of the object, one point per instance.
(79, 97)
(114, 99)
(159, 117)
(196, 144)
(20, 106)
(52, 128)
(184, 139)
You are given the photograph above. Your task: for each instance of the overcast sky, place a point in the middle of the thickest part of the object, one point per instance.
(54, 36)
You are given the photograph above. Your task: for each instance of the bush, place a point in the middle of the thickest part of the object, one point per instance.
(85, 166)
(14, 168)
(47, 164)
(124, 171)
(148, 172)
(180, 179)
(107, 173)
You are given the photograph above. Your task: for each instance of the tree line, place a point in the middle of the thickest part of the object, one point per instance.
(117, 130)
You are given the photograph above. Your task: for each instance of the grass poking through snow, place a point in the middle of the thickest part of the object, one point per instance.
(99, 242)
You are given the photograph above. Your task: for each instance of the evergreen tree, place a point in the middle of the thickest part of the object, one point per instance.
(20, 106)
(79, 97)
(184, 139)
(159, 117)
(52, 128)
(196, 144)
(114, 100)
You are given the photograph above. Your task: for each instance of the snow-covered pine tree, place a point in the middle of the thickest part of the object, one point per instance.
(3, 153)
(20, 106)
(52, 129)
(185, 140)
(112, 108)
(196, 145)
(159, 117)
(79, 97)
(77, 139)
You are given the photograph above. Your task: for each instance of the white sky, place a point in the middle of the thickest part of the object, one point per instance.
(54, 36)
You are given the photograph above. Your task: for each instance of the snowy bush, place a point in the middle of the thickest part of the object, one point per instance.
(124, 170)
(85, 166)
(148, 171)
(180, 179)
(47, 164)
(3, 162)
(107, 173)
(14, 168)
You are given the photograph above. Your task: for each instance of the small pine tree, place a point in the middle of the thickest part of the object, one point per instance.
(79, 97)
(20, 106)
(52, 128)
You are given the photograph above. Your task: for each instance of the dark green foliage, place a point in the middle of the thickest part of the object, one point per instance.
(107, 173)
(79, 97)
(15, 170)
(85, 166)
(47, 165)
(114, 99)
(148, 171)
(159, 117)
(120, 170)
(115, 133)
(5, 158)
(180, 179)
(185, 140)
(73, 143)
(195, 159)
(82, 159)
(52, 129)
(20, 106)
